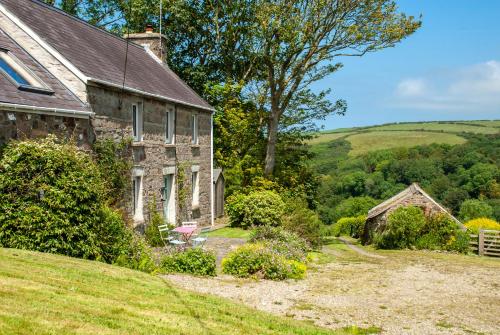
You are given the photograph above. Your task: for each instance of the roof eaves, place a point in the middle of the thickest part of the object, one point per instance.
(157, 96)
(85, 114)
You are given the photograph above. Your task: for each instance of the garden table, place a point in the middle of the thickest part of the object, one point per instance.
(186, 232)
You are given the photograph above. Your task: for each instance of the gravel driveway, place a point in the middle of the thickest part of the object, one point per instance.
(406, 292)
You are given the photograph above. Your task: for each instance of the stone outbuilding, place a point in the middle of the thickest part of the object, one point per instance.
(414, 195)
(60, 75)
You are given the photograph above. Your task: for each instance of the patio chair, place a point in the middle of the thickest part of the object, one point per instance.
(200, 240)
(175, 240)
(165, 234)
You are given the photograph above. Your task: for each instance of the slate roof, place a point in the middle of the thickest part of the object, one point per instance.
(217, 174)
(410, 190)
(9, 93)
(101, 55)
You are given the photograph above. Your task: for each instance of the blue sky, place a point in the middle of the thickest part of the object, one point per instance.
(447, 70)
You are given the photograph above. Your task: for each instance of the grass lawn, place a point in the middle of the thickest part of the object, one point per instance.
(376, 140)
(52, 294)
(231, 233)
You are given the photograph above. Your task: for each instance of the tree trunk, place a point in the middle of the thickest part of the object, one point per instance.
(272, 138)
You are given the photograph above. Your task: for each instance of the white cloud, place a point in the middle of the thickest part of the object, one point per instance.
(411, 87)
(474, 88)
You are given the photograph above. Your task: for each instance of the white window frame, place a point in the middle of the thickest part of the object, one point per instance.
(194, 129)
(137, 194)
(35, 84)
(195, 186)
(137, 122)
(170, 125)
(169, 203)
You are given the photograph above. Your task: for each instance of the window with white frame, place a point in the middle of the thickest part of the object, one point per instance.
(195, 186)
(137, 190)
(137, 122)
(19, 74)
(170, 125)
(194, 129)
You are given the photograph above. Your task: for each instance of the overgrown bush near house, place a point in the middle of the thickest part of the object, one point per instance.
(258, 208)
(402, 229)
(53, 199)
(482, 223)
(473, 209)
(282, 242)
(304, 222)
(459, 242)
(436, 233)
(257, 260)
(194, 261)
(114, 162)
(350, 226)
(151, 232)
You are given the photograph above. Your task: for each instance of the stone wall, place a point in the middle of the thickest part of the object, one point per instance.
(378, 223)
(113, 119)
(20, 125)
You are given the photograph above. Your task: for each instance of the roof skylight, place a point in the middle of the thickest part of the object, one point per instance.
(20, 75)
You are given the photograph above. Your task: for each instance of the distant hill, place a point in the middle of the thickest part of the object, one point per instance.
(408, 134)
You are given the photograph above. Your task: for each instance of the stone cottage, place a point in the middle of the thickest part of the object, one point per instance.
(61, 75)
(414, 195)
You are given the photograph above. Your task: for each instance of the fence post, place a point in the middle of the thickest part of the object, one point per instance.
(480, 245)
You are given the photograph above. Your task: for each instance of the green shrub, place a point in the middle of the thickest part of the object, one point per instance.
(354, 206)
(436, 232)
(53, 199)
(350, 226)
(304, 222)
(281, 241)
(151, 232)
(482, 223)
(138, 256)
(459, 242)
(194, 261)
(114, 161)
(402, 229)
(258, 260)
(473, 209)
(255, 209)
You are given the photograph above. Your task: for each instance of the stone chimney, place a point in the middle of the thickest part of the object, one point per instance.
(151, 42)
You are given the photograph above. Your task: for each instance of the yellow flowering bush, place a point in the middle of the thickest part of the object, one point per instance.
(482, 223)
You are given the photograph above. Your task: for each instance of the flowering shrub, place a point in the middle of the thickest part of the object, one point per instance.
(195, 261)
(403, 228)
(255, 209)
(482, 223)
(258, 260)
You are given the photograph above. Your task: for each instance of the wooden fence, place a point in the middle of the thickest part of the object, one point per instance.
(486, 243)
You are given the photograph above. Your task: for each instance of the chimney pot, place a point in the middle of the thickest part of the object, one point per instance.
(149, 28)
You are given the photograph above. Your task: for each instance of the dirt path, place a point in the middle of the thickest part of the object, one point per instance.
(407, 292)
(359, 250)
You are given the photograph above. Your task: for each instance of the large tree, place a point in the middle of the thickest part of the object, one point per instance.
(302, 41)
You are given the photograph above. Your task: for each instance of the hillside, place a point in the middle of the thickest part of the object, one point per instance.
(51, 294)
(454, 161)
(364, 139)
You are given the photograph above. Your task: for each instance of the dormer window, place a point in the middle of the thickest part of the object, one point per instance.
(20, 75)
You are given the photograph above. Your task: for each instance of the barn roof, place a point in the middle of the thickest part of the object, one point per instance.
(217, 174)
(398, 198)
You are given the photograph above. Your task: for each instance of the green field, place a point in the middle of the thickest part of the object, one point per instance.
(51, 294)
(231, 233)
(364, 139)
(364, 142)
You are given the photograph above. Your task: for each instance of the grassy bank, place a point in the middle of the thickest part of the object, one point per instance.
(51, 294)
